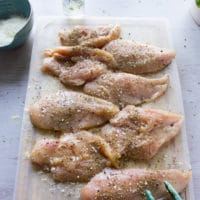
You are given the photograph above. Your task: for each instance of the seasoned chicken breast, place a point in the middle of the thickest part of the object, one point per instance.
(123, 89)
(73, 157)
(90, 36)
(74, 74)
(78, 53)
(130, 184)
(139, 133)
(139, 58)
(133, 133)
(70, 111)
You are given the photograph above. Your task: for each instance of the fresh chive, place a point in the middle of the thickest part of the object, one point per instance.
(149, 196)
(174, 194)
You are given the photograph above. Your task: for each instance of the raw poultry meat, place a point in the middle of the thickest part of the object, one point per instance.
(130, 184)
(78, 53)
(71, 111)
(138, 58)
(133, 133)
(73, 54)
(90, 36)
(75, 66)
(126, 89)
(73, 157)
(74, 74)
(138, 133)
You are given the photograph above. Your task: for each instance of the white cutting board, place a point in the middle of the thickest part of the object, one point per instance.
(32, 184)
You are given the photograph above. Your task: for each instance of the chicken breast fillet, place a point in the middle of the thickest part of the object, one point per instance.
(139, 58)
(90, 36)
(74, 74)
(130, 184)
(77, 53)
(126, 89)
(138, 133)
(71, 111)
(133, 133)
(73, 157)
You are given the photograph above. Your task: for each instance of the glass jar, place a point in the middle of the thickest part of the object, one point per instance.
(74, 8)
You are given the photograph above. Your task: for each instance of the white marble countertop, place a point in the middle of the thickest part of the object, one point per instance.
(14, 68)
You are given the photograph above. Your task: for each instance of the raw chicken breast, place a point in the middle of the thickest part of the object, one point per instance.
(71, 111)
(130, 184)
(90, 36)
(75, 74)
(139, 58)
(73, 157)
(77, 53)
(133, 133)
(126, 89)
(139, 133)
